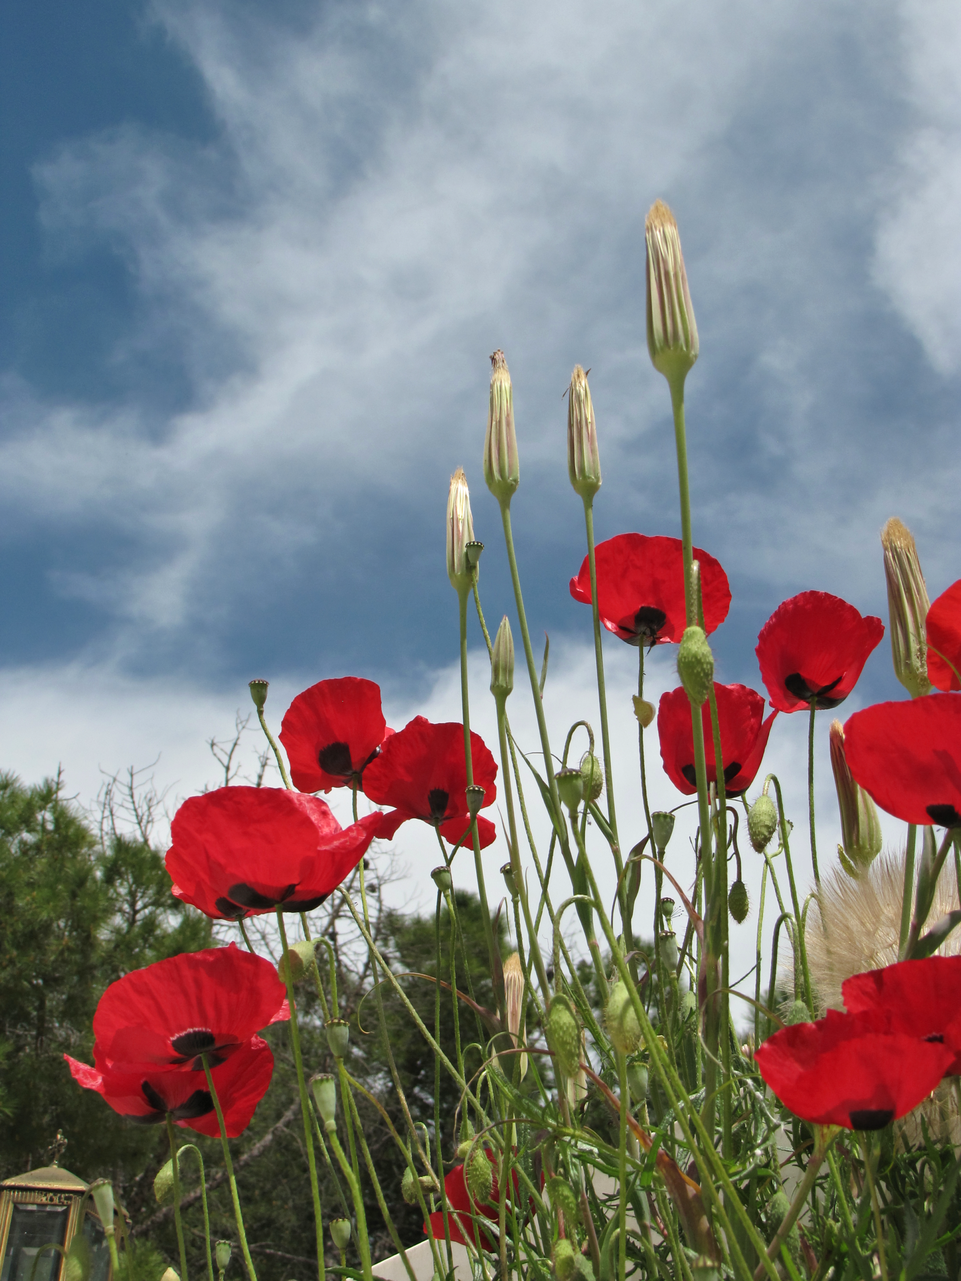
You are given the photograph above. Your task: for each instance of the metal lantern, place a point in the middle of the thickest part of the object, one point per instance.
(42, 1207)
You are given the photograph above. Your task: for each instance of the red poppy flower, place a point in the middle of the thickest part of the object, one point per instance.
(814, 646)
(918, 998)
(241, 1082)
(908, 757)
(640, 588)
(744, 735)
(943, 633)
(239, 851)
(847, 1069)
(331, 732)
(463, 1229)
(167, 1015)
(421, 773)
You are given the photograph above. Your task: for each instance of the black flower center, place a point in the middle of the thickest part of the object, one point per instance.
(198, 1104)
(943, 815)
(730, 771)
(438, 801)
(871, 1118)
(334, 759)
(242, 898)
(796, 684)
(648, 624)
(196, 1040)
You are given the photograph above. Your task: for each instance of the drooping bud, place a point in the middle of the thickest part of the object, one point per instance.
(643, 710)
(502, 661)
(564, 1034)
(501, 466)
(222, 1254)
(907, 607)
(507, 872)
(460, 532)
(570, 788)
(592, 773)
(695, 664)
(762, 822)
(408, 1186)
(258, 692)
(475, 799)
(340, 1233)
(442, 879)
(563, 1198)
(662, 828)
(324, 1089)
(737, 901)
(565, 1260)
(671, 330)
(861, 838)
(295, 961)
(621, 1020)
(102, 1191)
(479, 1176)
(583, 460)
(637, 1079)
(163, 1184)
(338, 1037)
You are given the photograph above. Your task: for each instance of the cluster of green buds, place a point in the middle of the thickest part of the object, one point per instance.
(860, 825)
(907, 607)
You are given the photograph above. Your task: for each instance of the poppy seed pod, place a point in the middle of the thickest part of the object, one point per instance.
(460, 532)
(662, 828)
(695, 665)
(671, 329)
(564, 1034)
(583, 460)
(324, 1089)
(861, 838)
(507, 872)
(222, 1254)
(501, 466)
(907, 607)
(762, 822)
(338, 1037)
(502, 661)
(258, 692)
(442, 879)
(621, 1020)
(474, 794)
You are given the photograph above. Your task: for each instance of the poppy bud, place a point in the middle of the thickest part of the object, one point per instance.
(222, 1255)
(565, 1260)
(501, 466)
(475, 799)
(762, 822)
(258, 692)
(907, 607)
(797, 1012)
(564, 1034)
(408, 1186)
(593, 776)
(163, 1184)
(324, 1088)
(563, 1198)
(76, 1261)
(502, 661)
(460, 531)
(662, 828)
(704, 1268)
(860, 824)
(508, 874)
(695, 665)
(170, 1274)
(442, 879)
(479, 1176)
(513, 993)
(643, 710)
(621, 1020)
(637, 1079)
(583, 461)
(737, 901)
(340, 1233)
(102, 1190)
(671, 330)
(295, 961)
(338, 1036)
(570, 788)
(688, 1005)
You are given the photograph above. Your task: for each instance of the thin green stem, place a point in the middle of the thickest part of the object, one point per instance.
(363, 1242)
(203, 1203)
(599, 667)
(676, 385)
(231, 1179)
(907, 896)
(814, 848)
(875, 1208)
(801, 943)
(625, 1093)
(275, 748)
(824, 1141)
(178, 1222)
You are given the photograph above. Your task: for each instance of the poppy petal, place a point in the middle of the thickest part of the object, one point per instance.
(744, 735)
(943, 633)
(421, 772)
(332, 731)
(920, 998)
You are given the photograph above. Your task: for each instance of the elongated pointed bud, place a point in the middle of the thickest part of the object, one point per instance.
(295, 961)
(907, 607)
(102, 1190)
(671, 330)
(514, 984)
(563, 1198)
(695, 665)
(621, 1020)
(583, 460)
(502, 661)
(564, 1034)
(501, 465)
(762, 822)
(460, 532)
(860, 825)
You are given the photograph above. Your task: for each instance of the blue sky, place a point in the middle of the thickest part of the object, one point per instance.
(254, 260)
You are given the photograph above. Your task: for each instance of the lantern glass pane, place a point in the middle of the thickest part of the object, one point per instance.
(99, 1250)
(31, 1227)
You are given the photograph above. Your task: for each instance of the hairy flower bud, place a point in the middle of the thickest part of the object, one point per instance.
(638, 1078)
(563, 1198)
(479, 1176)
(737, 901)
(460, 532)
(583, 460)
(907, 607)
(695, 665)
(501, 466)
(593, 775)
(502, 661)
(861, 838)
(797, 1012)
(621, 1020)
(762, 822)
(564, 1034)
(671, 330)
(295, 961)
(565, 1260)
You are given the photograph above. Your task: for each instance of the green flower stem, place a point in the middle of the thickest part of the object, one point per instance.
(363, 1243)
(437, 1117)
(676, 384)
(717, 929)
(231, 1179)
(192, 1147)
(801, 943)
(305, 1109)
(907, 897)
(760, 956)
(275, 748)
(601, 686)
(640, 744)
(469, 760)
(315, 970)
(875, 1208)
(375, 1182)
(243, 931)
(814, 848)
(625, 1093)
(178, 1222)
(821, 1146)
